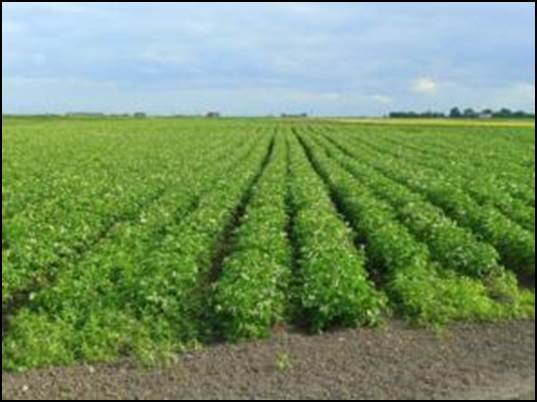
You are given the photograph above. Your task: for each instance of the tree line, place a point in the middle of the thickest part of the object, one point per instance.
(469, 113)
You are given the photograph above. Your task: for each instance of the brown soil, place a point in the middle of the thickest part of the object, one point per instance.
(466, 362)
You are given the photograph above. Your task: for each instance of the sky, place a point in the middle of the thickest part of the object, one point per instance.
(333, 59)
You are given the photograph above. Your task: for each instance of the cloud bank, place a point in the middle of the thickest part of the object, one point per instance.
(266, 58)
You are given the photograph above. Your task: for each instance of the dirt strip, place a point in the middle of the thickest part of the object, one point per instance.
(395, 362)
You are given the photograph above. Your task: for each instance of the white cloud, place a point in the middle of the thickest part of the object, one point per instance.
(424, 85)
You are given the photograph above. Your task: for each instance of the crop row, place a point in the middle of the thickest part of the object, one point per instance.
(511, 148)
(454, 247)
(67, 226)
(418, 287)
(515, 245)
(333, 285)
(506, 176)
(484, 189)
(140, 292)
(250, 295)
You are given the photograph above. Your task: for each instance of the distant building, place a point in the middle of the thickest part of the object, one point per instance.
(486, 115)
(140, 115)
(213, 115)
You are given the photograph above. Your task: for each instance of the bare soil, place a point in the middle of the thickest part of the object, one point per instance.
(396, 362)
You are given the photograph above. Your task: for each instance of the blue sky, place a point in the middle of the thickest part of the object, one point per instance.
(263, 58)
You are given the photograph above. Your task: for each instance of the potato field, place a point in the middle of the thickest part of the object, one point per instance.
(143, 238)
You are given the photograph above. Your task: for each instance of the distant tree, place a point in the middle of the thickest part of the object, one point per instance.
(455, 113)
(433, 115)
(294, 115)
(470, 113)
(503, 113)
(139, 115)
(415, 115)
